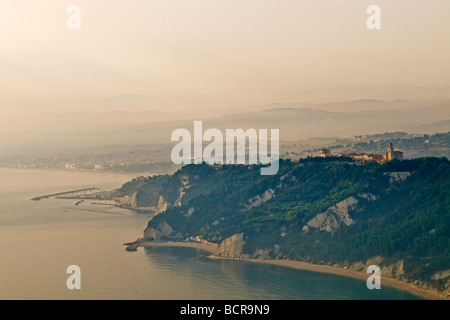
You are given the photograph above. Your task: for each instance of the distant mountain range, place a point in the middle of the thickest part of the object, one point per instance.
(440, 126)
(74, 131)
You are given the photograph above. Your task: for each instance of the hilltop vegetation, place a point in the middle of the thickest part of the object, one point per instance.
(316, 211)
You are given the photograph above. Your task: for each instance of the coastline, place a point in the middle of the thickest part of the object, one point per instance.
(305, 266)
(123, 173)
(202, 246)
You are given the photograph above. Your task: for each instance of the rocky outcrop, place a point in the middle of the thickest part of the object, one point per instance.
(163, 230)
(233, 247)
(398, 177)
(190, 212)
(368, 196)
(396, 270)
(393, 270)
(162, 205)
(258, 200)
(441, 275)
(334, 217)
(184, 186)
(132, 202)
(262, 254)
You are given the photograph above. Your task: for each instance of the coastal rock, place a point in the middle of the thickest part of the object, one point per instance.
(394, 270)
(376, 260)
(162, 205)
(441, 274)
(334, 217)
(132, 202)
(233, 247)
(262, 254)
(161, 231)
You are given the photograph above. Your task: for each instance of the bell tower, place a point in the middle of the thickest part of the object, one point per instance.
(390, 153)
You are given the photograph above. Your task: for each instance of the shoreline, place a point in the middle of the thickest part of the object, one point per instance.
(305, 266)
(123, 173)
(196, 245)
(52, 195)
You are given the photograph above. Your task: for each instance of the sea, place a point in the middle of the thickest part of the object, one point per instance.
(39, 240)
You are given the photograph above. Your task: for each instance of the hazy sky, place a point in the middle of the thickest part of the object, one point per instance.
(158, 54)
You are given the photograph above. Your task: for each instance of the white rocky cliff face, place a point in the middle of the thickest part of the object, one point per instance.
(163, 230)
(258, 200)
(233, 247)
(398, 177)
(334, 217)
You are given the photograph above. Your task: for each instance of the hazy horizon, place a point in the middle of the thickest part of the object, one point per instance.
(177, 55)
(147, 146)
(135, 72)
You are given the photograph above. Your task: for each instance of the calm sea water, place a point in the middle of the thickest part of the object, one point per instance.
(40, 239)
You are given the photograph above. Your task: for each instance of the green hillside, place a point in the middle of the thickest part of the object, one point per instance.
(317, 210)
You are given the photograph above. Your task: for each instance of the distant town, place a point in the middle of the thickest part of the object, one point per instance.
(155, 159)
(390, 155)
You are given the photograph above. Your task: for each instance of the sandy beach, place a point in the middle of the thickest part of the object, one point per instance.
(299, 265)
(202, 246)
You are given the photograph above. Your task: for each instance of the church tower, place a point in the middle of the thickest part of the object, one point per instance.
(390, 153)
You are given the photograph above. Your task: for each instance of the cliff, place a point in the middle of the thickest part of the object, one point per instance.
(233, 247)
(334, 217)
(326, 213)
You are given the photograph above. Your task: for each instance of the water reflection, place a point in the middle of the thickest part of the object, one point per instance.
(230, 279)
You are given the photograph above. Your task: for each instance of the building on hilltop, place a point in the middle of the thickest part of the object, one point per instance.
(324, 153)
(392, 154)
(375, 157)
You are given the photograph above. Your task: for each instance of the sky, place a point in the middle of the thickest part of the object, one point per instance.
(175, 54)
